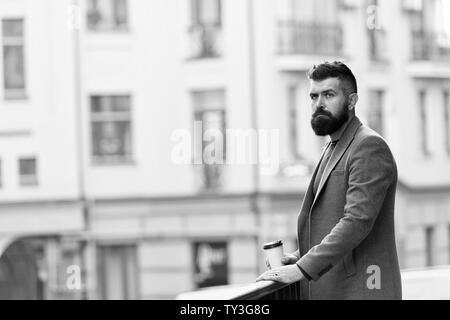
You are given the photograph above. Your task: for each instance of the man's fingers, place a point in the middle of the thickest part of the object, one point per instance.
(264, 276)
(260, 278)
(268, 276)
(289, 259)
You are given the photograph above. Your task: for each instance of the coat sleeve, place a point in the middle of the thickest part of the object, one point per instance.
(371, 170)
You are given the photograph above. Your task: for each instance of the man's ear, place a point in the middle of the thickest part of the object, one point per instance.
(353, 99)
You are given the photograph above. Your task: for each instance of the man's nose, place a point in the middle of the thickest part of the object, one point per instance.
(320, 104)
(320, 101)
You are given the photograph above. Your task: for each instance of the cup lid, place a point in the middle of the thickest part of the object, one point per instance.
(273, 244)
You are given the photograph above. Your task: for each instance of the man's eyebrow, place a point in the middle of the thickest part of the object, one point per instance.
(328, 90)
(321, 92)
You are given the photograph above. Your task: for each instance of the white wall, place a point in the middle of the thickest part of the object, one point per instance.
(47, 115)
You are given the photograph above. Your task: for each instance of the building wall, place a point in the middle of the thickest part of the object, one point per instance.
(41, 125)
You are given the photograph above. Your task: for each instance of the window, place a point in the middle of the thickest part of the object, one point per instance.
(107, 14)
(118, 270)
(13, 59)
(210, 264)
(210, 112)
(412, 5)
(376, 117)
(429, 245)
(67, 263)
(431, 31)
(309, 27)
(440, 19)
(28, 172)
(205, 29)
(206, 12)
(376, 31)
(423, 123)
(111, 128)
(376, 44)
(318, 11)
(447, 121)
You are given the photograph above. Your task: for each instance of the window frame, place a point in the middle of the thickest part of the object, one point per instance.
(423, 118)
(376, 112)
(14, 41)
(28, 180)
(115, 117)
(200, 107)
(196, 13)
(446, 106)
(430, 243)
(106, 25)
(127, 254)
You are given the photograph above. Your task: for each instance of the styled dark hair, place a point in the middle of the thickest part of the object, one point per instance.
(335, 69)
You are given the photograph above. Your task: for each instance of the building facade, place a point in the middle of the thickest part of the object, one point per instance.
(121, 121)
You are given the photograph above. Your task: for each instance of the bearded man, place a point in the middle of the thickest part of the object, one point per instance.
(346, 233)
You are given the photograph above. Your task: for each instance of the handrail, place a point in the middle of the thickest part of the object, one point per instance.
(253, 291)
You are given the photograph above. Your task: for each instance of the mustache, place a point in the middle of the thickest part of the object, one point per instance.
(322, 113)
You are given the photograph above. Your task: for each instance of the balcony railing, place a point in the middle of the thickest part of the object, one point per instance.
(296, 37)
(430, 46)
(205, 41)
(418, 284)
(263, 290)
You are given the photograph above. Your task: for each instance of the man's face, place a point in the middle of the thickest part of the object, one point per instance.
(329, 106)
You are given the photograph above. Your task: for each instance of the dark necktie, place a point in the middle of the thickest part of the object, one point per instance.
(323, 165)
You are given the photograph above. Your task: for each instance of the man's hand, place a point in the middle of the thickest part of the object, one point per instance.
(288, 258)
(286, 274)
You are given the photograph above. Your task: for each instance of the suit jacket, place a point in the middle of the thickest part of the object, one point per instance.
(346, 232)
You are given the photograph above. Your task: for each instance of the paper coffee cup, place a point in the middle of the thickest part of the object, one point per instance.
(274, 253)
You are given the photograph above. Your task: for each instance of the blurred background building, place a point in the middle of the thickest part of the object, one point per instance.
(94, 92)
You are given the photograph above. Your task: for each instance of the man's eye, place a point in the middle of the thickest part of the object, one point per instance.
(329, 95)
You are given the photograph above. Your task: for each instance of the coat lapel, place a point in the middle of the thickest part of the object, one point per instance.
(341, 147)
(309, 197)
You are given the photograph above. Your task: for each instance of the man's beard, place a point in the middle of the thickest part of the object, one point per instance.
(324, 123)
